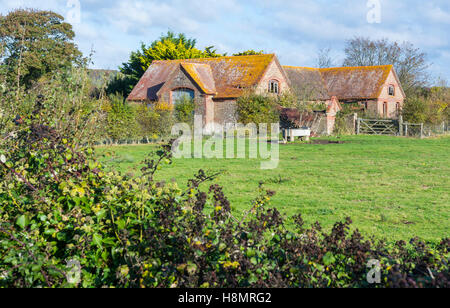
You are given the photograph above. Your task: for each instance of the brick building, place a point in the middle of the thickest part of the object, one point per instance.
(216, 83)
(375, 89)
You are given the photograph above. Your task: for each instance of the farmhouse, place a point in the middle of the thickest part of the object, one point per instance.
(216, 83)
(374, 89)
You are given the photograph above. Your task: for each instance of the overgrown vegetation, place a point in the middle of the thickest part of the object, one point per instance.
(430, 106)
(58, 206)
(257, 109)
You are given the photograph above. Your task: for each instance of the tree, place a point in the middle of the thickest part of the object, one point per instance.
(410, 63)
(324, 59)
(250, 52)
(35, 44)
(167, 47)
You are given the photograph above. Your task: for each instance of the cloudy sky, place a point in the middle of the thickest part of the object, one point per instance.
(293, 29)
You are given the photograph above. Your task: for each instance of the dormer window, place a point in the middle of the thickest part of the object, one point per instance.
(274, 87)
(391, 90)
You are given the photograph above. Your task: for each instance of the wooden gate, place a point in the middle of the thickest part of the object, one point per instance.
(377, 127)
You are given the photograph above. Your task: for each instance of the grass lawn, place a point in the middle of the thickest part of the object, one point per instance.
(393, 188)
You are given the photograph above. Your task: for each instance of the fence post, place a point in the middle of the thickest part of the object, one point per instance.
(400, 125)
(406, 129)
(421, 130)
(355, 120)
(358, 126)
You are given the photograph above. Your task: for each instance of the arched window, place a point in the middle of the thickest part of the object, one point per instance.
(274, 87)
(182, 94)
(391, 90)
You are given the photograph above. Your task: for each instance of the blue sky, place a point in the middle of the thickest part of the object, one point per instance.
(294, 30)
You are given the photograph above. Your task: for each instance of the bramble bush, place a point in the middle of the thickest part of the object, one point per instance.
(59, 206)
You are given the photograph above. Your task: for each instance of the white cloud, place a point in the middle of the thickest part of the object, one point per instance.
(293, 29)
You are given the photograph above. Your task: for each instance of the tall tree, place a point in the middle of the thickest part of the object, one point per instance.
(170, 46)
(409, 62)
(35, 44)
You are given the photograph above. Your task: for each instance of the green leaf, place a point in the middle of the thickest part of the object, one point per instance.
(328, 259)
(121, 224)
(101, 214)
(97, 240)
(22, 221)
(253, 279)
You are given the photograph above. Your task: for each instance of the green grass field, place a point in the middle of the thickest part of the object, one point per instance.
(393, 188)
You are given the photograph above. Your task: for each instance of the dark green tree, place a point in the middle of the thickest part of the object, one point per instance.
(34, 44)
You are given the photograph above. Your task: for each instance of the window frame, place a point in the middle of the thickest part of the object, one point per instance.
(274, 84)
(391, 86)
(172, 98)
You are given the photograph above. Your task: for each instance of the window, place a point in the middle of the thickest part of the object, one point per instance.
(274, 87)
(385, 110)
(391, 90)
(182, 94)
(397, 108)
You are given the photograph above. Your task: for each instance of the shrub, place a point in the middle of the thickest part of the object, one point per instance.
(62, 102)
(256, 108)
(155, 120)
(59, 207)
(121, 119)
(414, 110)
(430, 106)
(184, 110)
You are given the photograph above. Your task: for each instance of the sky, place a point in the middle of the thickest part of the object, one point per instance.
(295, 30)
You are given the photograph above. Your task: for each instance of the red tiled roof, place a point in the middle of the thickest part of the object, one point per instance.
(202, 75)
(230, 75)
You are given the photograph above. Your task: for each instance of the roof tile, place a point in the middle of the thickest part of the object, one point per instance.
(231, 75)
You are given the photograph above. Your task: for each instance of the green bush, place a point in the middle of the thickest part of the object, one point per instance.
(414, 110)
(58, 206)
(121, 119)
(62, 102)
(184, 110)
(430, 106)
(256, 108)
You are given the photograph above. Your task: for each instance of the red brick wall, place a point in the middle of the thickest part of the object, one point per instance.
(273, 73)
(390, 100)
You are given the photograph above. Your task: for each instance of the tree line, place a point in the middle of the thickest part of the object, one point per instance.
(38, 55)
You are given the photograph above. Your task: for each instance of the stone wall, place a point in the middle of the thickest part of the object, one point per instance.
(225, 111)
